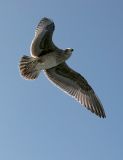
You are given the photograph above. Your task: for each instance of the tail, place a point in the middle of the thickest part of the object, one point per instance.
(29, 67)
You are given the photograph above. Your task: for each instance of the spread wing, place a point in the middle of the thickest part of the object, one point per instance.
(75, 85)
(42, 42)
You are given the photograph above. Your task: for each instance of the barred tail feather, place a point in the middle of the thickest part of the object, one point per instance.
(29, 67)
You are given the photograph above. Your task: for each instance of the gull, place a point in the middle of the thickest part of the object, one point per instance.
(46, 56)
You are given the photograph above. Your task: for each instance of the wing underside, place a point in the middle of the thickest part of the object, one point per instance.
(42, 42)
(75, 85)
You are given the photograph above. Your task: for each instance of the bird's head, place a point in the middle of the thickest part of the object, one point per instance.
(69, 50)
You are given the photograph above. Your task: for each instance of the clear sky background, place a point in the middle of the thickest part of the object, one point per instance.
(37, 120)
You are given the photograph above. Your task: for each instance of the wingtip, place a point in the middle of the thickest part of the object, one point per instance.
(46, 19)
(102, 116)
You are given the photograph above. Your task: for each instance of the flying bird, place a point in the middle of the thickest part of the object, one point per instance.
(46, 56)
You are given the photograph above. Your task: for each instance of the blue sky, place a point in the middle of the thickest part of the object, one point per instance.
(37, 120)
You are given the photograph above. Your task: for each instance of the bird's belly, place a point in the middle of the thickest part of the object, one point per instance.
(51, 60)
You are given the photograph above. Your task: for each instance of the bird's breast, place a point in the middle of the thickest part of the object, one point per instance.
(52, 59)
